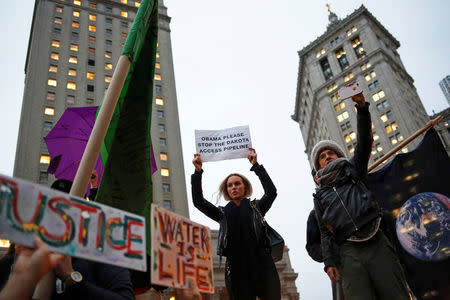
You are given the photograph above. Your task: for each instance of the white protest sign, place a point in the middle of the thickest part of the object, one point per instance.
(181, 252)
(71, 225)
(231, 143)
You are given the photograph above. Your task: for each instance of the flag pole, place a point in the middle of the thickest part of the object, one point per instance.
(104, 116)
(45, 286)
(430, 124)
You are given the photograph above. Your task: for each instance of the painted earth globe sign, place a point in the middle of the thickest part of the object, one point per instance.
(423, 226)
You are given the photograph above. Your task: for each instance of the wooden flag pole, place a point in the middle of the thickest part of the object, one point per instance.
(430, 124)
(45, 287)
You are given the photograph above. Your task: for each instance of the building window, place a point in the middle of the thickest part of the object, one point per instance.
(387, 116)
(378, 96)
(71, 85)
(91, 50)
(167, 204)
(343, 116)
(56, 44)
(91, 62)
(108, 42)
(162, 142)
(108, 66)
(159, 101)
(91, 39)
(73, 59)
(398, 137)
(332, 87)
(92, 17)
(370, 76)
(108, 9)
(374, 85)
(56, 31)
(90, 88)
(336, 41)
(342, 58)
(108, 31)
(157, 54)
(50, 96)
(48, 126)
(75, 35)
(351, 149)
(57, 20)
(326, 69)
(350, 137)
(158, 77)
(365, 66)
(382, 105)
(49, 111)
(77, 2)
(161, 127)
(164, 172)
(335, 97)
(391, 127)
(348, 77)
(108, 21)
(108, 79)
(320, 52)
(92, 28)
(108, 54)
(45, 159)
(124, 14)
(73, 47)
(52, 82)
(351, 31)
(157, 65)
(76, 14)
(93, 5)
(158, 88)
(59, 9)
(339, 106)
(124, 1)
(346, 125)
(70, 99)
(90, 101)
(75, 24)
(160, 114)
(358, 47)
(124, 24)
(90, 75)
(124, 35)
(72, 72)
(163, 156)
(166, 187)
(53, 69)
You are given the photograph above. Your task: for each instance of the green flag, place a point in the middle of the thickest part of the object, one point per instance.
(127, 179)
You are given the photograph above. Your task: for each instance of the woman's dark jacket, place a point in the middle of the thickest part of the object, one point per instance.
(218, 213)
(346, 205)
(313, 245)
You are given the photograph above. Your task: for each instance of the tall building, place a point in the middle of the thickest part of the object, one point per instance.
(356, 48)
(72, 52)
(445, 86)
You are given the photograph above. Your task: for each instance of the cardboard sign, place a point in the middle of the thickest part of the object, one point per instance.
(181, 252)
(231, 143)
(71, 225)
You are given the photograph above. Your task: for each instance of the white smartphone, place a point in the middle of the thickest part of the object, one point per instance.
(349, 90)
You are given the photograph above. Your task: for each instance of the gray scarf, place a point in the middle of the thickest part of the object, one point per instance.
(330, 173)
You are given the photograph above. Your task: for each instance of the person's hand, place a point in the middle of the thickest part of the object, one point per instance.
(64, 268)
(94, 179)
(359, 99)
(252, 156)
(334, 274)
(197, 161)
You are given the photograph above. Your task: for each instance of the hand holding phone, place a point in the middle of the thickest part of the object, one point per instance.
(349, 90)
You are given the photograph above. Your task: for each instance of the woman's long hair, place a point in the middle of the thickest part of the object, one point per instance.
(223, 187)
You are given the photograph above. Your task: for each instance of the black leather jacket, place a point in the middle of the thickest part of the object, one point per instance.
(347, 205)
(218, 213)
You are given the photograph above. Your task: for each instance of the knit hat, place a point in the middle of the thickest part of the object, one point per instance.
(325, 145)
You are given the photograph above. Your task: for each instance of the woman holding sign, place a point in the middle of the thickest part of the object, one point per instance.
(250, 270)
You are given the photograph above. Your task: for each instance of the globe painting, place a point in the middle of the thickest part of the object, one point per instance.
(423, 226)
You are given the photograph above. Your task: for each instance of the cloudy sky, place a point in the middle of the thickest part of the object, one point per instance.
(236, 64)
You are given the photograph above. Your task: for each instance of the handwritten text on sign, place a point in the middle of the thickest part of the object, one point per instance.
(214, 145)
(70, 225)
(181, 251)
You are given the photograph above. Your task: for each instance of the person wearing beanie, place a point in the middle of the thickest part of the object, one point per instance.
(354, 248)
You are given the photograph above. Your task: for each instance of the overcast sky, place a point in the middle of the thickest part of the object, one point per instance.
(236, 64)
